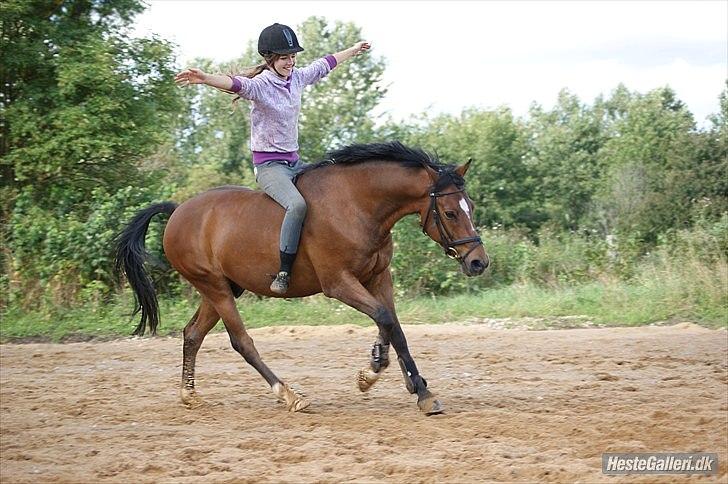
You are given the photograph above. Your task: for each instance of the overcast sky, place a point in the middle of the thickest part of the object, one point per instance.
(446, 56)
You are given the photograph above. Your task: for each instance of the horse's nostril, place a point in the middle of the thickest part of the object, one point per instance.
(478, 266)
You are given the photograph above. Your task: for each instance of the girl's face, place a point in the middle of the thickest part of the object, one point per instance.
(284, 64)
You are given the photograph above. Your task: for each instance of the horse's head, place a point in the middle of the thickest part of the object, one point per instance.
(447, 219)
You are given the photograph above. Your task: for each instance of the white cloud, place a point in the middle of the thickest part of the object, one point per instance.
(451, 55)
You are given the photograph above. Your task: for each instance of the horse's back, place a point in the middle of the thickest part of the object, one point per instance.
(210, 214)
(206, 224)
(231, 232)
(227, 201)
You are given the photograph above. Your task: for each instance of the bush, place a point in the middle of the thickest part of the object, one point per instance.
(419, 267)
(59, 256)
(692, 272)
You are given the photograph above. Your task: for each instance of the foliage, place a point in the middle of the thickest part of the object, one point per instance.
(337, 110)
(419, 265)
(83, 106)
(213, 134)
(82, 102)
(673, 284)
(499, 182)
(623, 197)
(650, 173)
(73, 251)
(562, 150)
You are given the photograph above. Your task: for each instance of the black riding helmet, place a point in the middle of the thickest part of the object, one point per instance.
(278, 39)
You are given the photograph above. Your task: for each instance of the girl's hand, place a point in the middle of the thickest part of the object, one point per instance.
(190, 76)
(357, 49)
(361, 47)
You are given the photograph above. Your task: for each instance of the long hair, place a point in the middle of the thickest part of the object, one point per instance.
(250, 72)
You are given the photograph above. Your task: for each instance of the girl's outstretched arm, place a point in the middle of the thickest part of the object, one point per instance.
(354, 50)
(197, 76)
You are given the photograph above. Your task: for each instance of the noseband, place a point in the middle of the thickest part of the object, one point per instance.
(446, 240)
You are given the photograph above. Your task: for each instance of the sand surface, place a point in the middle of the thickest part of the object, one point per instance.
(520, 406)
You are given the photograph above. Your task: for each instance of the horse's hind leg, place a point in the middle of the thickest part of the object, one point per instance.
(194, 333)
(222, 300)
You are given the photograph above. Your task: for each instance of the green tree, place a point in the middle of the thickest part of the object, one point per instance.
(83, 107)
(82, 103)
(650, 164)
(500, 182)
(212, 136)
(708, 189)
(337, 110)
(562, 149)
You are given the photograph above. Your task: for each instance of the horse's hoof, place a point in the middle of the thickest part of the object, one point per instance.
(298, 405)
(430, 405)
(293, 401)
(190, 398)
(365, 378)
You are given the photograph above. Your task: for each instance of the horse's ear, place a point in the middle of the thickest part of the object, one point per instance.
(462, 169)
(434, 174)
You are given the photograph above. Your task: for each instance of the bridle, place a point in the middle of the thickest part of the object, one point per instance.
(446, 240)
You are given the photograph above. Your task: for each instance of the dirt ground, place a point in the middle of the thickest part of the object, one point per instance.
(520, 406)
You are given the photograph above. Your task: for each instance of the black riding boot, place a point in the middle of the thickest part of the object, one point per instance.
(280, 283)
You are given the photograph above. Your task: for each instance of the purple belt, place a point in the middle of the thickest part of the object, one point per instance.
(260, 157)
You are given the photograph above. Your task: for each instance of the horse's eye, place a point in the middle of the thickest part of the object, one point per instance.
(449, 214)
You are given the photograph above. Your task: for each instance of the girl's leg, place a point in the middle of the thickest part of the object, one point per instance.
(276, 180)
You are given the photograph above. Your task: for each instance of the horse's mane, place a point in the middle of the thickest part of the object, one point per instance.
(394, 152)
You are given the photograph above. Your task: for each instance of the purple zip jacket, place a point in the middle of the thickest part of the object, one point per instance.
(276, 104)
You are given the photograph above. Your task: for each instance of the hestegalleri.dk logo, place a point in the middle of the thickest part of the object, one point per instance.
(660, 463)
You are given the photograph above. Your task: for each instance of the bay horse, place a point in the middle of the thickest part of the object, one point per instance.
(225, 241)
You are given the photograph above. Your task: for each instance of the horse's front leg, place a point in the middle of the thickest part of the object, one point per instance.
(415, 383)
(378, 362)
(350, 291)
(380, 288)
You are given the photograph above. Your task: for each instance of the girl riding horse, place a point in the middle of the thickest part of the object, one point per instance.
(275, 88)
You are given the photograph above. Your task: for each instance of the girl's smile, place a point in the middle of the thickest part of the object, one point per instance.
(283, 65)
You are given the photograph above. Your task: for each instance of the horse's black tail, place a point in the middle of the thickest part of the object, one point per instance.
(130, 255)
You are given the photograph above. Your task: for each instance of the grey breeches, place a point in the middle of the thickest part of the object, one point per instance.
(276, 179)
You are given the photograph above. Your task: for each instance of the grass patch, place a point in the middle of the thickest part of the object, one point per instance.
(655, 297)
(113, 319)
(602, 303)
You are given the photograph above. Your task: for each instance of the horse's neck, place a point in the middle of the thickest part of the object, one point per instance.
(400, 194)
(384, 192)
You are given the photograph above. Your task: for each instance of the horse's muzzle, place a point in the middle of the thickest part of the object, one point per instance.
(477, 266)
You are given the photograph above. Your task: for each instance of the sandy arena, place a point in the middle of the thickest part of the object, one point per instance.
(520, 406)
